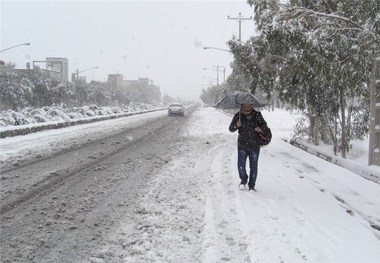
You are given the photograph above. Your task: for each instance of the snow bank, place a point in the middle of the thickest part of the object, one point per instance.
(33, 120)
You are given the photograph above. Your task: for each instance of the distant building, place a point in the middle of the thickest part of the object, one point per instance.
(115, 80)
(58, 68)
(73, 76)
(141, 90)
(139, 83)
(82, 79)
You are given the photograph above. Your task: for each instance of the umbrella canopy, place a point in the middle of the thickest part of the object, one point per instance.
(233, 101)
(245, 97)
(227, 102)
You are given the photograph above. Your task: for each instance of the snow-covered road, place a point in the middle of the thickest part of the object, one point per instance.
(305, 209)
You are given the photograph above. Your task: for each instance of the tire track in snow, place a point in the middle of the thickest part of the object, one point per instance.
(167, 222)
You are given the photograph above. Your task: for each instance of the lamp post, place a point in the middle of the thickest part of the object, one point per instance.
(23, 44)
(77, 73)
(221, 49)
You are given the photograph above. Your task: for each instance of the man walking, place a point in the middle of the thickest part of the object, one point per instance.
(248, 122)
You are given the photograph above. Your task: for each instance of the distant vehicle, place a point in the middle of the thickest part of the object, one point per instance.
(176, 109)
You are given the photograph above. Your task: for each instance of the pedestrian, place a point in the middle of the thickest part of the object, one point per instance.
(248, 122)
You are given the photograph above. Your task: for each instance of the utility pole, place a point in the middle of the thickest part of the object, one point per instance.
(216, 68)
(217, 75)
(374, 132)
(217, 72)
(240, 19)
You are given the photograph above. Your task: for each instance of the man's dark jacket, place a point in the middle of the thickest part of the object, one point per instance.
(248, 138)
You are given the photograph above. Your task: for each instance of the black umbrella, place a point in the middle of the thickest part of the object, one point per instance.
(228, 102)
(233, 101)
(246, 97)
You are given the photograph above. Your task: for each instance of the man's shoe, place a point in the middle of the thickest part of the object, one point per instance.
(242, 186)
(243, 182)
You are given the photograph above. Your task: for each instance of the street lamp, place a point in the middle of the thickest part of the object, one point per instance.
(226, 50)
(77, 73)
(23, 44)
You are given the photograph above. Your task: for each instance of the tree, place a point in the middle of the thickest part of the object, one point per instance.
(314, 55)
(13, 95)
(213, 94)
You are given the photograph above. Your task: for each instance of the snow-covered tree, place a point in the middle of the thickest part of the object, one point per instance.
(13, 94)
(213, 94)
(317, 56)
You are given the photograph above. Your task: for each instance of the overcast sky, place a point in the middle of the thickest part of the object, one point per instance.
(160, 40)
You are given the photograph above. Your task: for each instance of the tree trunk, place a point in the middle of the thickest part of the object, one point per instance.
(343, 112)
(314, 131)
(331, 130)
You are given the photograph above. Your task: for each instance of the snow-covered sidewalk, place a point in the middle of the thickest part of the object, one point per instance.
(305, 209)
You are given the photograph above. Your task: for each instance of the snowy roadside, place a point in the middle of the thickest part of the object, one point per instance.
(370, 172)
(61, 119)
(306, 209)
(16, 150)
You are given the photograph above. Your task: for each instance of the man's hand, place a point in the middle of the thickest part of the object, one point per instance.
(238, 124)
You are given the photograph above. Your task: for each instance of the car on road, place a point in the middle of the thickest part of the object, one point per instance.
(176, 109)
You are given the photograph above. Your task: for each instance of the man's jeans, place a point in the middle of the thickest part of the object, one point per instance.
(253, 155)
